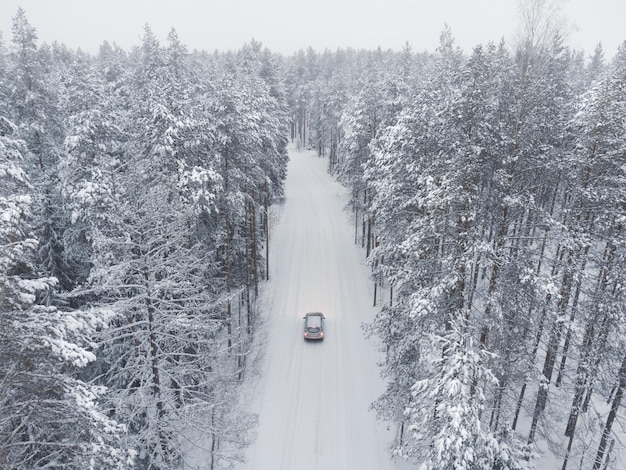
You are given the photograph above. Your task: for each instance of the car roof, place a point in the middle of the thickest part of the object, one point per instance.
(314, 320)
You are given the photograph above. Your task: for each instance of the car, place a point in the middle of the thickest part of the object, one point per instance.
(314, 326)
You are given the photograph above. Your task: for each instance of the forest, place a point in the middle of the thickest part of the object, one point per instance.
(488, 193)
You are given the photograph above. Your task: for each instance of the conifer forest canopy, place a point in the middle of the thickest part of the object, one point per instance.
(488, 193)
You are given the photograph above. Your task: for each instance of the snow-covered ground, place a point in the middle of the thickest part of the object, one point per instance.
(313, 399)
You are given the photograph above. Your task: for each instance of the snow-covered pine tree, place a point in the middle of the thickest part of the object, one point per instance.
(49, 417)
(35, 110)
(161, 355)
(168, 381)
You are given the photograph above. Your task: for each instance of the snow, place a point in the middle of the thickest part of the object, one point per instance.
(313, 399)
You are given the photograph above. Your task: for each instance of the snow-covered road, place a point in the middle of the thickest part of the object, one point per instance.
(313, 399)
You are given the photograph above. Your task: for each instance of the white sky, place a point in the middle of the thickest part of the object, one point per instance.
(288, 25)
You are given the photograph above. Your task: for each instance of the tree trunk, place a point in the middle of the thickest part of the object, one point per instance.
(267, 232)
(375, 291)
(154, 361)
(584, 365)
(533, 355)
(214, 443)
(612, 414)
(539, 334)
(495, 272)
(604, 333)
(552, 348)
(568, 335)
(356, 224)
(497, 403)
(255, 260)
(229, 309)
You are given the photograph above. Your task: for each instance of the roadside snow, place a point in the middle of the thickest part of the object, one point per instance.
(313, 399)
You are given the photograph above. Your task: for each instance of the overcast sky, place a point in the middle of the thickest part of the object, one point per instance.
(288, 25)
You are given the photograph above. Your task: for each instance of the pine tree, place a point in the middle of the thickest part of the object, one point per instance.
(49, 416)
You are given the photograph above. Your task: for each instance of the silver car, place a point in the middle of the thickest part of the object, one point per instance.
(314, 325)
